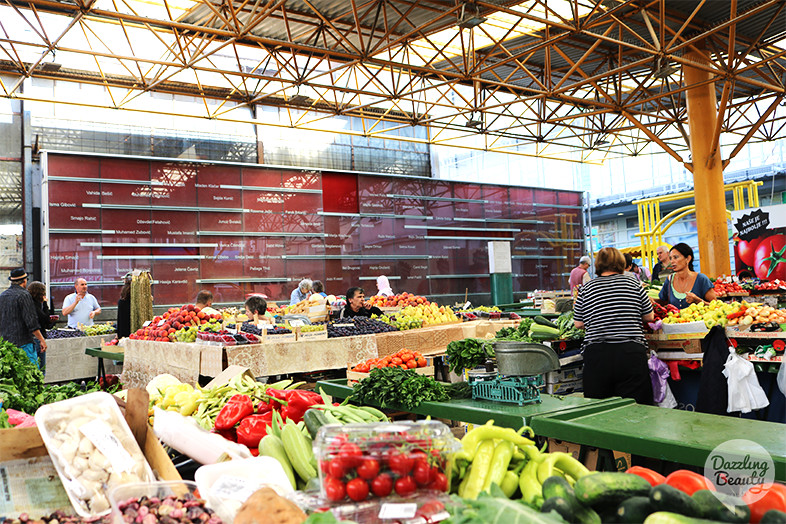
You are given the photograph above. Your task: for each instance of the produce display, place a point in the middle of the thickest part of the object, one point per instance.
(302, 307)
(312, 328)
(431, 314)
(64, 333)
(520, 333)
(97, 329)
(362, 461)
(403, 359)
(164, 328)
(725, 286)
(734, 313)
(248, 327)
(350, 327)
(468, 353)
(172, 509)
(400, 300)
(395, 387)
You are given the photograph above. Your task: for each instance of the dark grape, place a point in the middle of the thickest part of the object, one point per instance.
(64, 333)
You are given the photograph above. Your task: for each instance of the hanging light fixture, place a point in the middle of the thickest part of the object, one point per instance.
(470, 17)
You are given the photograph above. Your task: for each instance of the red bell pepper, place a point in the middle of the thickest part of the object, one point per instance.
(763, 498)
(238, 407)
(278, 397)
(688, 481)
(229, 434)
(298, 401)
(653, 477)
(263, 407)
(253, 428)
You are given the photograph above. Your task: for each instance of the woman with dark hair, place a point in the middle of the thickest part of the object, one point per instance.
(611, 308)
(685, 286)
(124, 309)
(38, 291)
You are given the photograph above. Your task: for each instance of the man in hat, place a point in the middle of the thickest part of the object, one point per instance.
(18, 318)
(81, 306)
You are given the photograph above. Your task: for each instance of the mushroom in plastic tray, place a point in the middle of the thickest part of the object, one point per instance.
(92, 449)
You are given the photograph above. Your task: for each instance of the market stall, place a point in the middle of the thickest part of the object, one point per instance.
(66, 358)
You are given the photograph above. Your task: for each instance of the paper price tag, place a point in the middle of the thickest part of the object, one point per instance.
(147, 323)
(344, 325)
(398, 511)
(235, 488)
(296, 323)
(161, 322)
(466, 305)
(100, 434)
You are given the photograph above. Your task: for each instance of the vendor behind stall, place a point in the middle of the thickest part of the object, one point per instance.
(256, 304)
(355, 306)
(301, 292)
(204, 302)
(685, 286)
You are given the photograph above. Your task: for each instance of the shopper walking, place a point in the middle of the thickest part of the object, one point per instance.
(301, 292)
(81, 307)
(37, 290)
(18, 318)
(685, 286)
(579, 275)
(611, 308)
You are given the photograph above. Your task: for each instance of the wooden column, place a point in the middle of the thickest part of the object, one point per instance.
(707, 170)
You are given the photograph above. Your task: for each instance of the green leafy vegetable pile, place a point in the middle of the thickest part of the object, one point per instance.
(396, 387)
(468, 353)
(458, 390)
(567, 329)
(496, 509)
(22, 383)
(520, 333)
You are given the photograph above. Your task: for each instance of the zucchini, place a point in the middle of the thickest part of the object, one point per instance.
(314, 419)
(667, 498)
(602, 489)
(565, 508)
(556, 486)
(773, 516)
(666, 517)
(634, 510)
(720, 506)
(543, 321)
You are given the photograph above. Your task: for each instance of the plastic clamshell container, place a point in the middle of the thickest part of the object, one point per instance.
(183, 489)
(91, 445)
(430, 441)
(226, 485)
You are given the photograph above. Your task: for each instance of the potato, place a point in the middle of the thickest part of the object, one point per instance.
(265, 506)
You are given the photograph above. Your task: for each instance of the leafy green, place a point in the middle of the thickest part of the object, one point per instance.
(496, 509)
(468, 353)
(4, 424)
(396, 387)
(22, 383)
(457, 390)
(325, 517)
(520, 333)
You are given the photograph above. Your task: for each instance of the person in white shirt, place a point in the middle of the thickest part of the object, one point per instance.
(81, 307)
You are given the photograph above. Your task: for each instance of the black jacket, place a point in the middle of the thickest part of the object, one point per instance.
(713, 394)
(123, 317)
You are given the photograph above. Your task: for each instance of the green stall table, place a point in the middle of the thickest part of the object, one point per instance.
(480, 411)
(680, 436)
(101, 354)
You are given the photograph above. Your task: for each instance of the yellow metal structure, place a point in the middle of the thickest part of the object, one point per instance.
(652, 226)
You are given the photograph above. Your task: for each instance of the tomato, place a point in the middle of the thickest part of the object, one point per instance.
(357, 489)
(350, 454)
(421, 472)
(770, 260)
(440, 482)
(429, 509)
(324, 465)
(405, 486)
(368, 469)
(400, 464)
(746, 250)
(336, 468)
(334, 489)
(421, 362)
(396, 361)
(406, 357)
(382, 485)
(412, 363)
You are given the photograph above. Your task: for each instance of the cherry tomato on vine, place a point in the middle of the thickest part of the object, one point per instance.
(400, 464)
(368, 469)
(350, 455)
(405, 486)
(336, 468)
(382, 485)
(440, 482)
(421, 472)
(334, 489)
(357, 489)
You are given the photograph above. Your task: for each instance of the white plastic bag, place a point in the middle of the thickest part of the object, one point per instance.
(782, 378)
(745, 393)
(668, 401)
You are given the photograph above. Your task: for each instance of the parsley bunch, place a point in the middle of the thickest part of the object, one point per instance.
(396, 388)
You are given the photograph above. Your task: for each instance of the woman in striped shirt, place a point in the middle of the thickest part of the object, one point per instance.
(611, 308)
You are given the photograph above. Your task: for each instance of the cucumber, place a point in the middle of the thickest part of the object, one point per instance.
(543, 321)
(667, 498)
(666, 517)
(604, 489)
(720, 506)
(314, 419)
(556, 486)
(773, 517)
(565, 508)
(634, 510)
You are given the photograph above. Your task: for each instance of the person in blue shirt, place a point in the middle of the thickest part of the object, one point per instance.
(685, 286)
(318, 288)
(301, 292)
(81, 307)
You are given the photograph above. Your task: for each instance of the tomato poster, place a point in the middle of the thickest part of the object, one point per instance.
(760, 242)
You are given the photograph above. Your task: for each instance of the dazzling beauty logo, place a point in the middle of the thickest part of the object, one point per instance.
(737, 465)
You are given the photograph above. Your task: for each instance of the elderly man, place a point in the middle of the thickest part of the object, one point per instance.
(18, 318)
(302, 292)
(81, 307)
(579, 275)
(663, 262)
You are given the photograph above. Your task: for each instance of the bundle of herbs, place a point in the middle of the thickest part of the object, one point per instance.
(468, 353)
(397, 388)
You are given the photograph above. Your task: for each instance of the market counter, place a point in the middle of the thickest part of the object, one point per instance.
(681, 436)
(480, 411)
(66, 358)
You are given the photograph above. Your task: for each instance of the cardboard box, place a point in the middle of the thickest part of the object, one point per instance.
(565, 388)
(355, 376)
(685, 331)
(621, 460)
(568, 374)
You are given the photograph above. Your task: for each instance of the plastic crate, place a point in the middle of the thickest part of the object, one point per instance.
(515, 390)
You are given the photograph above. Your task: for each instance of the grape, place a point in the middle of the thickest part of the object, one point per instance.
(360, 326)
(64, 333)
